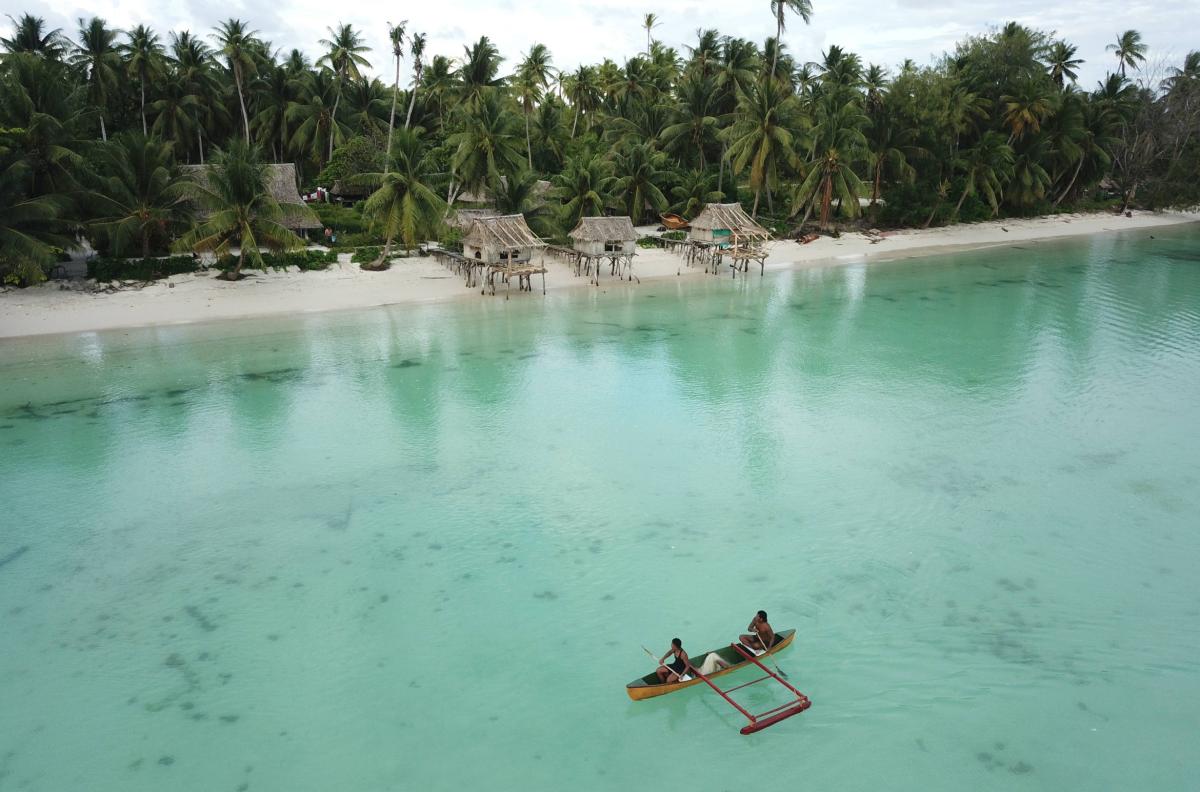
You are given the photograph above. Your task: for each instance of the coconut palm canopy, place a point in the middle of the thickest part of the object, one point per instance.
(604, 229)
(508, 231)
(728, 217)
(281, 183)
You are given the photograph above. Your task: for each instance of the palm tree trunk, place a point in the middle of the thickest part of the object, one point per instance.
(961, 198)
(387, 154)
(754, 211)
(575, 123)
(237, 270)
(778, 40)
(333, 119)
(103, 131)
(528, 144)
(237, 76)
(145, 130)
(145, 243)
(721, 171)
(200, 142)
(412, 100)
(1074, 176)
(826, 201)
(878, 177)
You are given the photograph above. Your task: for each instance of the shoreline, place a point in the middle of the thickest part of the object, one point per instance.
(47, 309)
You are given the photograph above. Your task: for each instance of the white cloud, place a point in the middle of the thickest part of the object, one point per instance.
(883, 32)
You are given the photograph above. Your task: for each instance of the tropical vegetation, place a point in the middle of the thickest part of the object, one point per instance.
(97, 125)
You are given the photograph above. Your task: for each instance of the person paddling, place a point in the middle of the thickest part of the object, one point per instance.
(678, 667)
(761, 636)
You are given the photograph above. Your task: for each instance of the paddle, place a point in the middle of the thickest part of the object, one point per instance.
(664, 665)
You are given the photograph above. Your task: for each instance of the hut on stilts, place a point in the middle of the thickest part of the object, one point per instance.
(726, 231)
(502, 248)
(596, 240)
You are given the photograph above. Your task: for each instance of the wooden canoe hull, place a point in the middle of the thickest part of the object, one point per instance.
(673, 222)
(649, 686)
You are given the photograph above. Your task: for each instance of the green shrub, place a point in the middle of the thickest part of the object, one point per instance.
(107, 269)
(647, 242)
(358, 239)
(303, 260)
(342, 219)
(674, 235)
(365, 255)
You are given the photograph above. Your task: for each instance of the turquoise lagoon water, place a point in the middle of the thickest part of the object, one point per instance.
(420, 547)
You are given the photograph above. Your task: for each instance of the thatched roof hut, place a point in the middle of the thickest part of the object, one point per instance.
(283, 186)
(720, 222)
(598, 235)
(500, 240)
(462, 218)
(344, 190)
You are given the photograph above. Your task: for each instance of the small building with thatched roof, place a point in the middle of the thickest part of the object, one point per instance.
(727, 224)
(503, 241)
(284, 188)
(597, 236)
(462, 218)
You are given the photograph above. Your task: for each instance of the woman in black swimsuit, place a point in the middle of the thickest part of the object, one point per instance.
(678, 667)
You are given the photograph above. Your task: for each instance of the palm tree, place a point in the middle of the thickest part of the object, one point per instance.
(140, 199)
(779, 9)
(403, 202)
(1062, 62)
(762, 137)
(986, 166)
(1025, 110)
(175, 112)
(693, 193)
(277, 92)
(144, 59)
(237, 44)
(550, 137)
(695, 121)
(1129, 49)
(486, 147)
(30, 35)
(838, 141)
(891, 147)
(1029, 181)
(318, 130)
(32, 226)
(1189, 74)
(531, 80)
(366, 102)
(519, 194)
(193, 64)
(583, 90)
(582, 187)
(478, 71)
(344, 55)
(97, 58)
(396, 36)
(639, 170)
(649, 22)
(417, 50)
(241, 212)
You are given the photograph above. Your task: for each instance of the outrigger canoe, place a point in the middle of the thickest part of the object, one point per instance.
(649, 686)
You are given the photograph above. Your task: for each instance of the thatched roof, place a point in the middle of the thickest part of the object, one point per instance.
(540, 190)
(463, 218)
(281, 183)
(346, 189)
(731, 217)
(509, 231)
(604, 229)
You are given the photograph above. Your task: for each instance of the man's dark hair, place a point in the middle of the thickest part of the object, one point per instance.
(762, 615)
(678, 644)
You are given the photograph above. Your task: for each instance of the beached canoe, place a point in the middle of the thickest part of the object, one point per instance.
(673, 222)
(649, 686)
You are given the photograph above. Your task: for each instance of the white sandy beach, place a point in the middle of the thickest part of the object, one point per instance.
(182, 299)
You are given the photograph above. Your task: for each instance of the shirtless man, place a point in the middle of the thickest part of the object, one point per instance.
(678, 667)
(761, 635)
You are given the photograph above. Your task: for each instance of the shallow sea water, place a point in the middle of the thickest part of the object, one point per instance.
(421, 547)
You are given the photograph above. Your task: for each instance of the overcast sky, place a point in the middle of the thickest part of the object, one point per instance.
(881, 31)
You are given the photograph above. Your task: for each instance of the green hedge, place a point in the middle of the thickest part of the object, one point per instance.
(302, 259)
(107, 269)
(365, 255)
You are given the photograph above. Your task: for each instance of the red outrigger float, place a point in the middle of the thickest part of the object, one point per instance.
(794, 706)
